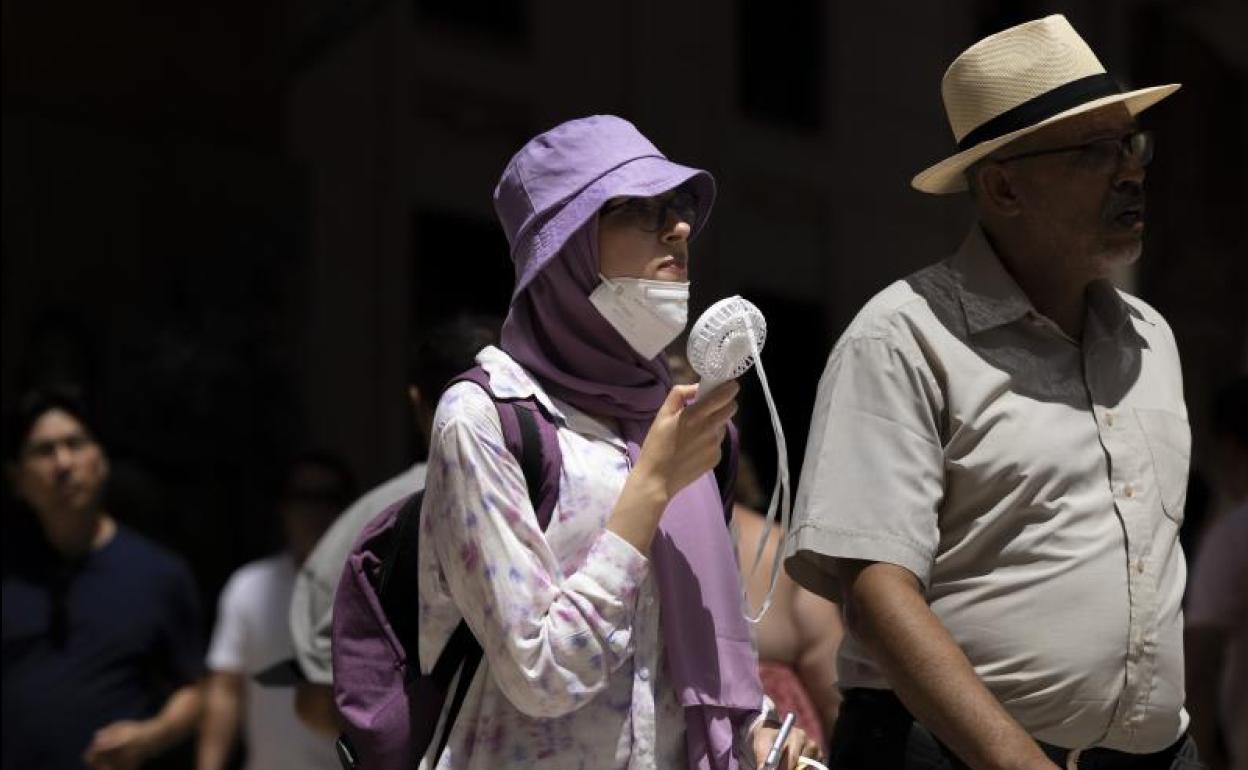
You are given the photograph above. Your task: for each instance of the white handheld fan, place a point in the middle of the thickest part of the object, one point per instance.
(725, 343)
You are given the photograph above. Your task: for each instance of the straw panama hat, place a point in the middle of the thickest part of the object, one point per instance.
(1016, 81)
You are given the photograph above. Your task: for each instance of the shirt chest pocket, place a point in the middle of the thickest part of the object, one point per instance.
(1170, 446)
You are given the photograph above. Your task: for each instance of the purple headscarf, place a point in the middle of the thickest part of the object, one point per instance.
(560, 338)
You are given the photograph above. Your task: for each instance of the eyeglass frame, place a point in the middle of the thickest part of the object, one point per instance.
(1124, 143)
(683, 202)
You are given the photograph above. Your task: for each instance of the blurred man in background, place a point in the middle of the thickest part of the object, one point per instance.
(1216, 634)
(252, 633)
(447, 350)
(102, 651)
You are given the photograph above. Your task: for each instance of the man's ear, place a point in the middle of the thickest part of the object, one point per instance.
(413, 394)
(995, 190)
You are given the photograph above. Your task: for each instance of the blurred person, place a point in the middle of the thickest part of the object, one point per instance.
(1216, 633)
(995, 475)
(447, 349)
(252, 633)
(615, 637)
(102, 649)
(799, 635)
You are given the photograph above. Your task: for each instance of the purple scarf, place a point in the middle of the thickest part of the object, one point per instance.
(557, 335)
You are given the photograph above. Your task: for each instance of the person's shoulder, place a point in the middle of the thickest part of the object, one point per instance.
(393, 489)
(331, 551)
(897, 309)
(261, 571)
(464, 402)
(142, 553)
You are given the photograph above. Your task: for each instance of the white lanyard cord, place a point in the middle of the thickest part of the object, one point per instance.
(780, 497)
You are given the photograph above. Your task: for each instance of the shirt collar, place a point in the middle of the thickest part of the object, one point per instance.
(509, 379)
(989, 295)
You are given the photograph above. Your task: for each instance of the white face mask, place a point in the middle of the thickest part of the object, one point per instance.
(649, 315)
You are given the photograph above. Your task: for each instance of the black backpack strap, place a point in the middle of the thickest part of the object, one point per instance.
(726, 471)
(399, 566)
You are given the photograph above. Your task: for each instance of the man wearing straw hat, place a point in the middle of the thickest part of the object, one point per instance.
(997, 464)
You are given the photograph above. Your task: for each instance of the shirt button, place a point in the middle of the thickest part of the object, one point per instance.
(1109, 419)
(643, 674)
(1128, 491)
(1139, 566)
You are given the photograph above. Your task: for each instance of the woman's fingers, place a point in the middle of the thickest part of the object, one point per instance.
(676, 399)
(709, 402)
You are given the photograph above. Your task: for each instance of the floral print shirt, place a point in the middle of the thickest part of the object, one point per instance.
(573, 674)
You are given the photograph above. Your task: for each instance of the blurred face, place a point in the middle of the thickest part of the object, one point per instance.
(647, 237)
(60, 473)
(1078, 186)
(308, 507)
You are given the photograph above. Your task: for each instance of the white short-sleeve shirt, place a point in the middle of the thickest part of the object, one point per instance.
(1033, 483)
(252, 634)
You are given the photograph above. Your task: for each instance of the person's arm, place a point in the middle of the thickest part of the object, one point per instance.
(127, 744)
(885, 609)
(551, 640)
(819, 632)
(314, 704)
(223, 702)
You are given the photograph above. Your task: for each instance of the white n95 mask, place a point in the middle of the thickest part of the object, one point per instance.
(649, 315)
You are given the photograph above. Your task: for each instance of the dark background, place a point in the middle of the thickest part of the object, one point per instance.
(230, 219)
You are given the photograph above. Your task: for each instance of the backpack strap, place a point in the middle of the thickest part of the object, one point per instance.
(726, 471)
(398, 568)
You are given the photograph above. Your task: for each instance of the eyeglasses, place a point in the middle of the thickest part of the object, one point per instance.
(1102, 153)
(652, 214)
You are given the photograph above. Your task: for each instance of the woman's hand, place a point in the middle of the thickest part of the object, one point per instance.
(797, 745)
(684, 442)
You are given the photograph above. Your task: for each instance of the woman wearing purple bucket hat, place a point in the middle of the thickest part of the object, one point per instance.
(615, 638)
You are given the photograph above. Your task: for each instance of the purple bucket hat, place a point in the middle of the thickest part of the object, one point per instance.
(559, 179)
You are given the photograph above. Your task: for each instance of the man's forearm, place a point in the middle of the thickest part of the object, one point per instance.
(222, 710)
(929, 672)
(314, 704)
(178, 718)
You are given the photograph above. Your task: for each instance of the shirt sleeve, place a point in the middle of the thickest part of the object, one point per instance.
(551, 640)
(312, 598)
(226, 650)
(181, 629)
(873, 477)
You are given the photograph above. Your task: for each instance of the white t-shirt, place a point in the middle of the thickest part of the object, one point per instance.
(251, 635)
